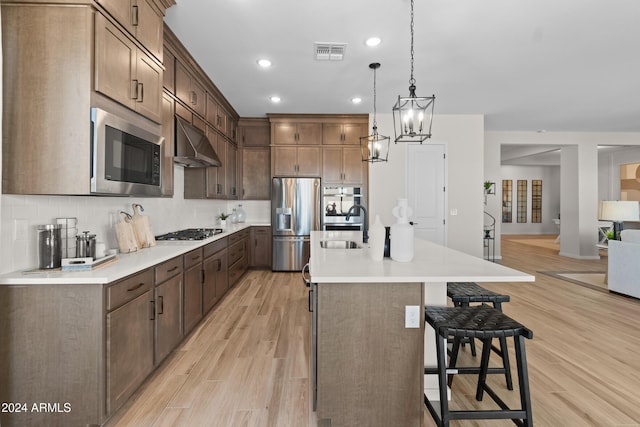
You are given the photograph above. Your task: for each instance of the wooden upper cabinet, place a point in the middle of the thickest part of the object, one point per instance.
(169, 75)
(189, 90)
(296, 161)
(216, 115)
(256, 176)
(343, 134)
(148, 24)
(141, 18)
(125, 73)
(254, 132)
(343, 165)
(297, 133)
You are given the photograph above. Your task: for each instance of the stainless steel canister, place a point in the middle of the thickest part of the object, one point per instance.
(49, 246)
(86, 245)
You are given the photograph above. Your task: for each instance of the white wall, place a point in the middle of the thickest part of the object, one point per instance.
(97, 214)
(463, 136)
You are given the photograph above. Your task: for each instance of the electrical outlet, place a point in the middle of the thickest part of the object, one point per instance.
(20, 229)
(411, 316)
(453, 212)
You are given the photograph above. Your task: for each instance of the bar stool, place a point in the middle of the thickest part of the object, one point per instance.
(464, 293)
(484, 323)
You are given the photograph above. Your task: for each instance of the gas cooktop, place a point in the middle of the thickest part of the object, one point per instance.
(190, 234)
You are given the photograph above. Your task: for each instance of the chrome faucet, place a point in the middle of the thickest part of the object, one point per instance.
(365, 230)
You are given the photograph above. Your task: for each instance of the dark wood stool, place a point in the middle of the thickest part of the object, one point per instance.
(484, 323)
(464, 293)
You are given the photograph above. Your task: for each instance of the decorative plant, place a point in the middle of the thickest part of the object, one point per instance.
(223, 216)
(488, 187)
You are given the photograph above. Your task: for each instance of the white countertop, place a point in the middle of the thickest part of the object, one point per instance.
(431, 263)
(125, 265)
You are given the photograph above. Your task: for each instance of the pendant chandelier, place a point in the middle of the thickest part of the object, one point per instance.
(412, 115)
(375, 147)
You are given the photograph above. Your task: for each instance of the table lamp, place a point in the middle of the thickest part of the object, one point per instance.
(618, 211)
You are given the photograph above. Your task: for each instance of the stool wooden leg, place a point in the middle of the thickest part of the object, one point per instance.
(523, 380)
(484, 365)
(441, 350)
(453, 358)
(504, 353)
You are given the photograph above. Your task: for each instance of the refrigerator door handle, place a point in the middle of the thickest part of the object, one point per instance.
(307, 281)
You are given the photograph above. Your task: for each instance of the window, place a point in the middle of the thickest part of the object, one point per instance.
(506, 200)
(536, 200)
(522, 200)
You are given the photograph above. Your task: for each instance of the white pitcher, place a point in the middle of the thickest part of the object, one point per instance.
(402, 233)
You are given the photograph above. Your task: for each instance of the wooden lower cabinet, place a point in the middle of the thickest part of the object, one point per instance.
(168, 326)
(238, 255)
(193, 279)
(215, 283)
(260, 247)
(129, 349)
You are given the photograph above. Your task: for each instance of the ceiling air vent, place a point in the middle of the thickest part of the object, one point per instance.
(329, 51)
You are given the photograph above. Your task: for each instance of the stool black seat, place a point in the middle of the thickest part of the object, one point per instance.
(484, 323)
(464, 293)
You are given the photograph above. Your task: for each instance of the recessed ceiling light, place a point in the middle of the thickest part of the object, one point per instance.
(356, 100)
(373, 41)
(264, 63)
(275, 99)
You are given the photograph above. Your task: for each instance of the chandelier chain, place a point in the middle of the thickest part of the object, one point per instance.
(412, 81)
(375, 123)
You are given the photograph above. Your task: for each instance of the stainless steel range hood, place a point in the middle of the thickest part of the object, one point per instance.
(193, 148)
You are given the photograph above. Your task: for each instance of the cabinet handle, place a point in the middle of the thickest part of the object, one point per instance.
(172, 269)
(152, 307)
(201, 276)
(310, 299)
(134, 15)
(138, 286)
(219, 264)
(140, 92)
(161, 298)
(134, 89)
(194, 98)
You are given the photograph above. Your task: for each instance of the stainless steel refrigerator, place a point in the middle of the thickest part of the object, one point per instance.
(295, 212)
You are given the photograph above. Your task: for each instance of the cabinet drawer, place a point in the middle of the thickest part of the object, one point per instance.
(192, 258)
(214, 247)
(128, 289)
(238, 236)
(236, 252)
(168, 269)
(237, 270)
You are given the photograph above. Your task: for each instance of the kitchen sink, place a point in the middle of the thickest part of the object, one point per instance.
(339, 244)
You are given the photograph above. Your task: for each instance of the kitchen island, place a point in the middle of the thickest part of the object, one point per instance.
(369, 343)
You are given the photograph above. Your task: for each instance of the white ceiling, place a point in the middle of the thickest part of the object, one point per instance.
(557, 65)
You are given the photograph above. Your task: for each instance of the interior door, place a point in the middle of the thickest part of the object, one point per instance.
(426, 172)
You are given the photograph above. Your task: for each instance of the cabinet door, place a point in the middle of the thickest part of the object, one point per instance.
(232, 154)
(222, 282)
(260, 247)
(168, 124)
(221, 171)
(353, 168)
(189, 90)
(129, 349)
(332, 134)
(255, 134)
(309, 133)
(285, 161)
(332, 164)
(121, 11)
(148, 24)
(285, 134)
(192, 297)
(169, 74)
(256, 178)
(209, 297)
(351, 133)
(168, 317)
(149, 93)
(115, 63)
(309, 161)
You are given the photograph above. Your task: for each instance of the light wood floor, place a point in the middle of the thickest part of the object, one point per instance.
(246, 364)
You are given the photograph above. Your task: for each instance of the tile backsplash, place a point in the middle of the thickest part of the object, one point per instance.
(20, 215)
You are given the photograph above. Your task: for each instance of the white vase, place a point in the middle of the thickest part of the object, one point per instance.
(223, 223)
(376, 240)
(402, 233)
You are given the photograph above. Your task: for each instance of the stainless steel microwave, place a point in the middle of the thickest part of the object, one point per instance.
(126, 158)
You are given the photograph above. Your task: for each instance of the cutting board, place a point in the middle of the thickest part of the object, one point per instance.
(142, 227)
(125, 235)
